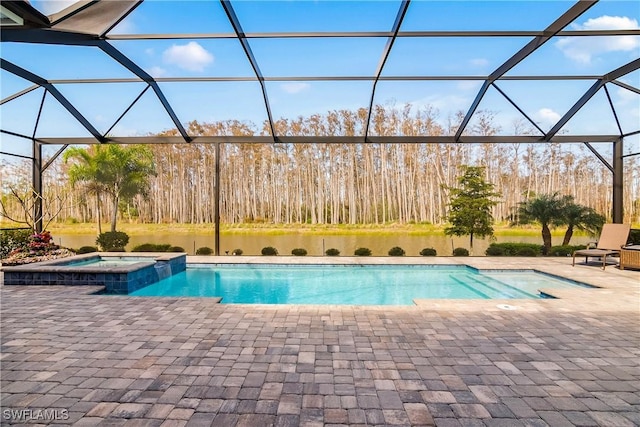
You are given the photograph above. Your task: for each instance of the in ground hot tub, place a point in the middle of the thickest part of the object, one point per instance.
(119, 273)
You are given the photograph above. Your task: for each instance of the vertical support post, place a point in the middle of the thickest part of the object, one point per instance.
(216, 246)
(36, 181)
(618, 213)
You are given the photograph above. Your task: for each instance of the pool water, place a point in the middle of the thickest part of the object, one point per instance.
(349, 285)
(108, 262)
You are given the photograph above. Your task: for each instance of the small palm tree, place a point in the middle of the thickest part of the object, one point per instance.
(545, 209)
(582, 218)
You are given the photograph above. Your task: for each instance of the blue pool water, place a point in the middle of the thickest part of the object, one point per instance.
(108, 262)
(357, 285)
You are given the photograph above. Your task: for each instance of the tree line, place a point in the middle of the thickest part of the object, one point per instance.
(339, 183)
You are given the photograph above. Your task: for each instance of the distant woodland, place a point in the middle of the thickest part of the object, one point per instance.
(342, 183)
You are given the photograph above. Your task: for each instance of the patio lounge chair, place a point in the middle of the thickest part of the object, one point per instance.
(612, 238)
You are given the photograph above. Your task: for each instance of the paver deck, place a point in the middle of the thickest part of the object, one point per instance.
(101, 360)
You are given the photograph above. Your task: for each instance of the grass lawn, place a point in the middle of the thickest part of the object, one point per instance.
(283, 229)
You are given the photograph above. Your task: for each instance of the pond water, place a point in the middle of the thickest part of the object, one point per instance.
(252, 244)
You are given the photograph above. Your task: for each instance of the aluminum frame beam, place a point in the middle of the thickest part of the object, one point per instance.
(33, 78)
(424, 139)
(235, 23)
(617, 73)
(371, 34)
(569, 16)
(402, 11)
(321, 78)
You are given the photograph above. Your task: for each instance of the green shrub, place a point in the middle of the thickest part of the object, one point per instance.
(528, 252)
(362, 252)
(514, 249)
(332, 252)
(116, 250)
(495, 250)
(112, 240)
(152, 247)
(428, 252)
(269, 250)
(145, 247)
(16, 238)
(176, 249)
(460, 252)
(299, 252)
(205, 250)
(566, 250)
(237, 252)
(634, 236)
(396, 251)
(86, 250)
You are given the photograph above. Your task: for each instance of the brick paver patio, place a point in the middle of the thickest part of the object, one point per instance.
(90, 359)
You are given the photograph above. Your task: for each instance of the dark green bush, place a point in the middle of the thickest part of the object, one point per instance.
(176, 249)
(460, 252)
(396, 251)
(495, 250)
(332, 252)
(86, 250)
(514, 249)
(112, 240)
(299, 252)
(269, 250)
(152, 247)
(15, 238)
(428, 252)
(116, 250)
(528, 252)
(205, 250)
(238, 252)
(362, 252)
(634, 236)
(566, 250)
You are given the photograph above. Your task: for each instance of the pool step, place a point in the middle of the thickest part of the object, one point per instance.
(493, 289)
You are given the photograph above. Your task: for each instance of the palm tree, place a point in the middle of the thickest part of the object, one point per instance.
(581, 217)
(546, 209)
(120, 172)
(86, 171)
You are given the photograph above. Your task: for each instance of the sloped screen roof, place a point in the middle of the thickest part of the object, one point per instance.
(122, 71)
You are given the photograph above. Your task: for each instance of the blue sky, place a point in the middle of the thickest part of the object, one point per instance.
(544, 101)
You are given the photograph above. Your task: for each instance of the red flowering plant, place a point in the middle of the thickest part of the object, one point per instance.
(39, 247)
(41, 243)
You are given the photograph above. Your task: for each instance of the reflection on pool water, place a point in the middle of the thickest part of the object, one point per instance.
(350, 285)
(106, 261)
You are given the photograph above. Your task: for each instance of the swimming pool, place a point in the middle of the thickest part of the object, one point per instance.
(349, 285)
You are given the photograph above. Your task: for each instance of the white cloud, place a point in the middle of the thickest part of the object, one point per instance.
(54, 6)
(626, 96)
(295, 87)
(583, 49)
(446, 103)
(157, 72)
(546, 116)
(469, 85)
(150, 51)
(479, 62)
(191, 56)
(126, 26)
